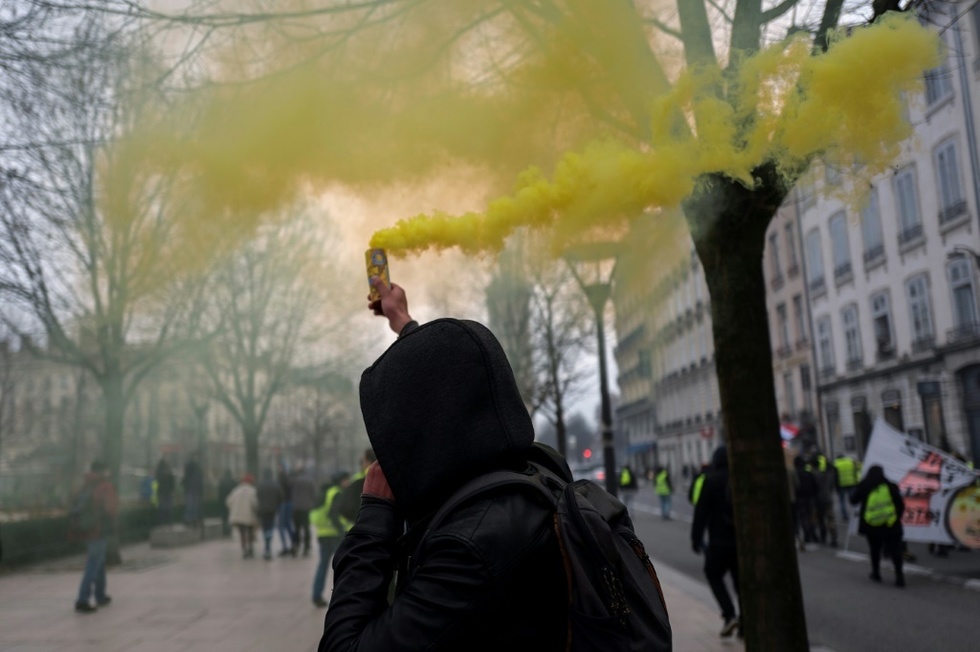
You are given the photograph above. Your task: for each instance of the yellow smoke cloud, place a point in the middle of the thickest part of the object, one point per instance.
(784, 105)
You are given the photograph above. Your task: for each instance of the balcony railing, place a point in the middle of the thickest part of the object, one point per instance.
(778, 282)
(842, 273)
(784, 351)
(924, 343)
(965, 332)
(828, 372)
(853, 364)
(911, 234)
(873, 254)
(793, 270)
(951, 212)
(817, 285)
(885, 352)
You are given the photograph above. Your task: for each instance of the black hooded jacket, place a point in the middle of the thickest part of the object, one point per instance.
(714, 506)
(441, 406)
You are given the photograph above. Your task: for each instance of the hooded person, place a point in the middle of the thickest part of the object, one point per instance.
(441, 407)
(715, 512)
(880, 520)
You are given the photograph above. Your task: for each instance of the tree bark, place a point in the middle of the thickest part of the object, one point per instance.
(728, 223)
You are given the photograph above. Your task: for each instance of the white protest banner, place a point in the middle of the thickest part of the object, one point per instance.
(942, 499)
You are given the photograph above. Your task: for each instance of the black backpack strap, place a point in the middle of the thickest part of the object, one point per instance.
(540, 479)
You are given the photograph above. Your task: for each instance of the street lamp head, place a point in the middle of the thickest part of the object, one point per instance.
(960, 250)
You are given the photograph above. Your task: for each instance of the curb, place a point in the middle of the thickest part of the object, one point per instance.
(914, 569)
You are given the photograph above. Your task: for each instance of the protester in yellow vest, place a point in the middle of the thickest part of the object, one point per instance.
(627, 486)
(881, 513)
(330, 528)
(664, 490)
(848, 471)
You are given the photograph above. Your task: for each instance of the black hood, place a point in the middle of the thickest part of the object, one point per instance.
(440, 406)
(876, 475)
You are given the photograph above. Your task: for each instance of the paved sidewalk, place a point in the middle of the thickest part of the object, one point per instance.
(206, 597)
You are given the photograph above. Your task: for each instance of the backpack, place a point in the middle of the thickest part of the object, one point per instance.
(615, 602)
(83, 516)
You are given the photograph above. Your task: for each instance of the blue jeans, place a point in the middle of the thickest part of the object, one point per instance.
(844, 495)
(328, 545)
(665, 505)
(286, 535)
(94, 575)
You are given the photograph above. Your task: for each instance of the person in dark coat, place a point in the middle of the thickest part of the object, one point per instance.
(441, 407)
(193, 484)
(880, 520)
(225, 487)
(165, 491)
(284, 520)
(807, 491)
(714, 511)
(270, 498)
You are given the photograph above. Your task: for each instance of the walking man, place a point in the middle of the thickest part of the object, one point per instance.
(330, 529)
(193, 483)
(714, 512)
(305, 498)
(848, 471)
(881, 520)
(94, 516)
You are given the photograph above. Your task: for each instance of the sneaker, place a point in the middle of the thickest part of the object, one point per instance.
(104, 601)
(319, 602)
(875, 576)
(731, 624)
(85, 608)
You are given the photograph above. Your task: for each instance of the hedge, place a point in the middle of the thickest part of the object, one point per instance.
(35, 540)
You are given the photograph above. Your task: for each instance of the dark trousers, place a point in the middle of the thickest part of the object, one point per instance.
(301, 526)
(889, 540)
(719, 560)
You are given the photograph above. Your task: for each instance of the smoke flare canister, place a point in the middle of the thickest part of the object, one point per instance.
(377, 265)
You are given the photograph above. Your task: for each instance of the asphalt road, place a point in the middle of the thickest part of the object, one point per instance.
(939, 610)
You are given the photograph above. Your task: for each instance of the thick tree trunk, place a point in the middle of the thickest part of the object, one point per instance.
(728, 223)
(251, 434)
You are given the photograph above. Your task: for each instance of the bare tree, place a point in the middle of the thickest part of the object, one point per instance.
(264, 306)
(85, 235)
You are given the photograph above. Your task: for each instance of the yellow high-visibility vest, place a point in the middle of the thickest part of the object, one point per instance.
(879, 509)
(319, 517)
(847, 472)
(663, 489)
(698, 483)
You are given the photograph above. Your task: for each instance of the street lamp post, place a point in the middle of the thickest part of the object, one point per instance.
(593, 265)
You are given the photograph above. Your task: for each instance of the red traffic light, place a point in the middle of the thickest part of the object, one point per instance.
(587, 453)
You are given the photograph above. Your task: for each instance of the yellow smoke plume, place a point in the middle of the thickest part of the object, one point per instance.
(783, 105)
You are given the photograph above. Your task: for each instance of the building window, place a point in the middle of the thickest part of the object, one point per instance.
(799, 317)
(777, 271)
(952, 203)
(852, 336)
(917, 293)
(805, 383)
(964, 297)
(825, 346)
(939, 84)
(840, 245)
(814, 257)
(881, 318)
(791, 248)
(783, 324)
(790, 393)
(907, 197)
(874, 244)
